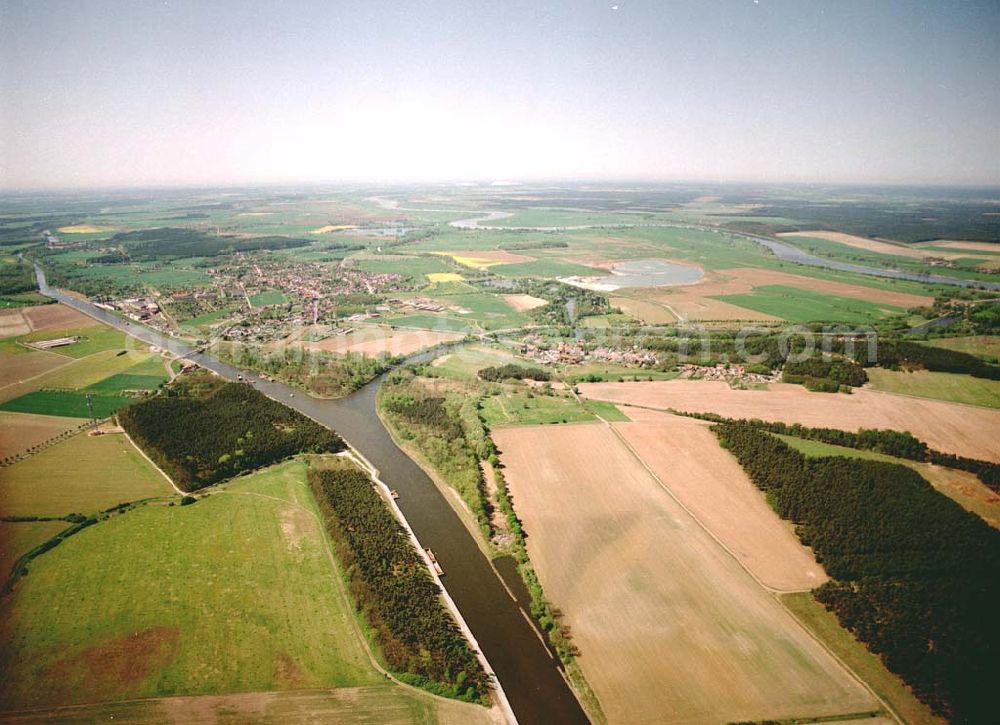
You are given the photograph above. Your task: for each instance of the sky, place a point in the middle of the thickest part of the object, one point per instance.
(109, 93)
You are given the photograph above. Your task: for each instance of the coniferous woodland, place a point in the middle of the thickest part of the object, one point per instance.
(392, 588)
(915, 576)
(203, 435)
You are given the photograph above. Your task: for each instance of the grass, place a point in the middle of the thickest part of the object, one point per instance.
(408, 266)
(954, 387)
(432, 322)
(93, 338)
(546, 268)
(515, 407)
(207, 319)
(466, 362)
(609, 411)
(234, 593)
(867, 666)
(445, 277)
(268, 297)
(799, 305)
(77, 374)
(17, 538)
(84, 474)
(985, 346)
(66, 403)
(145, 375)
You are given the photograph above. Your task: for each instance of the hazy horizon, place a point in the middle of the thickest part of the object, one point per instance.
(181, 94)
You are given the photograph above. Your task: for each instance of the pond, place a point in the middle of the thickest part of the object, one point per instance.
(639, 273)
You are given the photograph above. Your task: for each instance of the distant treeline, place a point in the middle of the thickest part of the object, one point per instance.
(915, 576)
(392, 588)
(825, 374)
(519, 372)
(153, 244)
(16, 277)
(203, 439)
(537, 244)
(903, 353)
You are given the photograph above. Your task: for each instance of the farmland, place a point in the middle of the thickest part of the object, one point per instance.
(191, 611)
(522, 407)
(986, 346)
(17, 538)
(19, 432)
(375, 340)
(636, 576)
(948, 427)
(953, 387)
(685, 456)
(799, 305)
(81, 475)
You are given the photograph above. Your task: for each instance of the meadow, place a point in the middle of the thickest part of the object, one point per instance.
(21, 431)
(954, 387)
(84, 474)
(798, 305)
(636, 577)
(17, 538)
(522, 407)
(984, 346)
(93, 338)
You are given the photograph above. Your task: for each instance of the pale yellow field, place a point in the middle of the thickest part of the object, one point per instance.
(377, 340)
(84, 229)
(972, 246)
(948, 427)
(523, 303)
(670, 627)
(21, 431)
(872, 245)
(686, 456)
(445, 277)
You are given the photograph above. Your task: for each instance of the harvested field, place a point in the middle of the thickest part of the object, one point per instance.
(21, 431)
(81, 475)
(12, 323)
(17, 367)
(871, 245)
(75, 374)
(84, 229)
(648, 312)
(670, 627)
(686, 456)
(56, 317)
(523, 303)
(379, 340)
(694, 303)
(949, 427)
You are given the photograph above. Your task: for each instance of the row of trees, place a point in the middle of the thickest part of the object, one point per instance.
(916, 576)
(903, 353)
(201, 440)
(392, 588)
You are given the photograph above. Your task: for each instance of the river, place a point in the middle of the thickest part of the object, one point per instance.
(527, 670)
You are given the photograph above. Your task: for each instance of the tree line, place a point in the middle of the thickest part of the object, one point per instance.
(915, 576)
(498, 373)
(203, 439)
(392, 588)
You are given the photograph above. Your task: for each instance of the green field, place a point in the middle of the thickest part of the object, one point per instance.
(953, 387)
(609, 411)
(93, 338)
(514, 407)
(464, 363)
(546, 268)
(824, 626)
(236, 593)
(268, 297)
(415, 266)
(20, 537)
(77, 374)
(146, 375)
(985, 346)
(207, 319)
(432, 322)
(799, 305)
(67, 403)
(84, 474)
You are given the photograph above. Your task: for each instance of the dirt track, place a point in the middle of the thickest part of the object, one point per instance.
(949, 427)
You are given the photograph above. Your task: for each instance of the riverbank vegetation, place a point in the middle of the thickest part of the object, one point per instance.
(201, 432)
(393, 589)
(914, 574)
(321, 373)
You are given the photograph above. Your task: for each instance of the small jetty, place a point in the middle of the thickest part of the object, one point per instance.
(395, 494)
(434, 563)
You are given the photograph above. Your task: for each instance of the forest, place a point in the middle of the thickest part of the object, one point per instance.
(498, 373)
(203, 435)
(393, 589)
(15, 277)
(906, 354)
(915, 576)
(153, 244)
